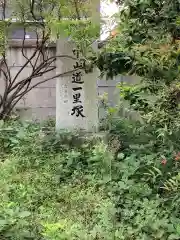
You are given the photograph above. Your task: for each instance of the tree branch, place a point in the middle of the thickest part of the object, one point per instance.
(19, 96)
(77, 10)
(48, 79)
(40, 67)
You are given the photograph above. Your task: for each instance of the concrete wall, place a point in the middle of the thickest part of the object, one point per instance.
(111, 88)
(40, 102)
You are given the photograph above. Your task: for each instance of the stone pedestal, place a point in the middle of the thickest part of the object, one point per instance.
(76, 93)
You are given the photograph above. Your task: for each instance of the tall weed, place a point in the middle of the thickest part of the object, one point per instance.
(55, 186)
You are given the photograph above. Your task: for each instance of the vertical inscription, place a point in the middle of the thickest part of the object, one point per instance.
(78, 108)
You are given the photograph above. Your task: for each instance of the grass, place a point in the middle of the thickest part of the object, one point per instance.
(52, 189)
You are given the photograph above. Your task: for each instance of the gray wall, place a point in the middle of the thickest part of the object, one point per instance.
(113, 91)
(40, 103)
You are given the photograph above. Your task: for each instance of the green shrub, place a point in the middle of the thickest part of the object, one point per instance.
(16, 223)
(55, 189)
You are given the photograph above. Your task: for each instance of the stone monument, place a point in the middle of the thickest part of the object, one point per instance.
(76, 93)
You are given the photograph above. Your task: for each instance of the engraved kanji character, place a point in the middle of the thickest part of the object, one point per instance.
(77, 88)
(76, 52)
(77, 78)
(80, 64)
(76, 97)
(78, 110)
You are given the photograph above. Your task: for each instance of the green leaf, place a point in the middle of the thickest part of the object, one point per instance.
(173, 237)
(1, 123)
(178, 229)
(24, 214)
(3, 222)
(120, 156)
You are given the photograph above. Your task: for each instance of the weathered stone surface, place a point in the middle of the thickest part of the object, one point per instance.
(86, 116)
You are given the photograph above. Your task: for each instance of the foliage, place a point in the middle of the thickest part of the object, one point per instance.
(147, 47)
(82, 32)
(64, 190)
(146, 172)
(58, 186)
(49, 20)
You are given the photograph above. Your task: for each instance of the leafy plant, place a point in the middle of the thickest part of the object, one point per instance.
(146, 46)
(14, 222)
(53, 188)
